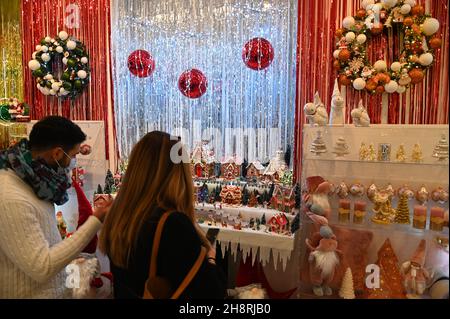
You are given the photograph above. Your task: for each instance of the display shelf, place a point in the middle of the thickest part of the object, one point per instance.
(387, 163)
(259, 244)
(248, 212)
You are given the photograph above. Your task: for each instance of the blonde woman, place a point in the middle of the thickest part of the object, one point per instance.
(153, 185)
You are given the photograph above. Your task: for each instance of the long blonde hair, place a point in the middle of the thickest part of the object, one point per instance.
(152, 180)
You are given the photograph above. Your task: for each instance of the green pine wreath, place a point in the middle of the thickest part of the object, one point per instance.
(75, 75)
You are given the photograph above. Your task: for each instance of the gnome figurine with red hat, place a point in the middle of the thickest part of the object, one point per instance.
(316, 203)
(415, 275)
(89, 266)
(324, 258)
(323, 261)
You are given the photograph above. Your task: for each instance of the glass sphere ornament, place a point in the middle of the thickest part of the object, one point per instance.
(192, 83)
(258, 54)
(141, 63)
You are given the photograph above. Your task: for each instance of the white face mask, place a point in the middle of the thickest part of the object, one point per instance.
(68, 170)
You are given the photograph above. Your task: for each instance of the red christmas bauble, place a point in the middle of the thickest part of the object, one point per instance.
(141, 63)
(192, 83)
(258, 53)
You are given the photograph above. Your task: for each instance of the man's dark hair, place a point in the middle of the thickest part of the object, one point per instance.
(55, 131)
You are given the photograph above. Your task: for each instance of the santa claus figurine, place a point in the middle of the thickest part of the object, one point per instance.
(415, 275)
(323, 261)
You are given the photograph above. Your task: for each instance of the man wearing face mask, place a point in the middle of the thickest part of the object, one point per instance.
(34, 176)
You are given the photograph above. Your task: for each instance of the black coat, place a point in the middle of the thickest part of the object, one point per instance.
(179, 248)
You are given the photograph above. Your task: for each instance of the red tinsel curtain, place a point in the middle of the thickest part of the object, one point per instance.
(89, 22)
(425, 103)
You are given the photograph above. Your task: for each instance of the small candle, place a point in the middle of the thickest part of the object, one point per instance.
(344, 210)
(436, 218)
(360, 212)
(420, 217)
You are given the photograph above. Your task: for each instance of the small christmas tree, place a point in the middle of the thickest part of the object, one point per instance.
(363, 152)
(245, 196)
(259, 198)
(265, 197)
(416, 155)
(402, 212)
(441, 149)
(258, 223)
(371, 155)
(295, 223)
(99, 189)
(347, 291)
(263, 219)
(341, 147)
(318, 145)
(218, 190)
(244, 168)
(287, 156)
(271, 190)
(109, 182)
(400, 156)
(253, 201)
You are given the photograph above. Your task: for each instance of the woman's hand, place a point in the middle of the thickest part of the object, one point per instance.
(211, 256)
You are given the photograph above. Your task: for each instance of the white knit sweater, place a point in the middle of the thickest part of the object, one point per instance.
(32, 255)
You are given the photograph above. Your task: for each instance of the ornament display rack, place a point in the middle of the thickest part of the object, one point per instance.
(431, 173)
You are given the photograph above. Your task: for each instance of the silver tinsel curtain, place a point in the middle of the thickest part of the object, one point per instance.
(243, 112)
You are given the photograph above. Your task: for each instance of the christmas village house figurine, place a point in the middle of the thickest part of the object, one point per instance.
(276, 168)
(231, 195)
(231, 168)
(278, 224)
(254, 170)
(202, 161)
(283, 199)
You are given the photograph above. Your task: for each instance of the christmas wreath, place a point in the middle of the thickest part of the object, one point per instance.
(417, 50)
(75, 76)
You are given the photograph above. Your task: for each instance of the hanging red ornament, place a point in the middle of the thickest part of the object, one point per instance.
(258, 53)
(141, 63)
(192, 83)
(435, 43)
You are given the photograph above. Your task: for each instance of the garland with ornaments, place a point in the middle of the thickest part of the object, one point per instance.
(417, 53)
(75, 76)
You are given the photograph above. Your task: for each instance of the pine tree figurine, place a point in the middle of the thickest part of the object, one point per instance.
(263, 219)
(416, 155)
(109, 182)
(400, 156)
(441, 149)
(341, 147)
(402, 212)
(371, 155)
(363, 152)
(318, 146)
(347, 291)
(99, 189)
(245, 196)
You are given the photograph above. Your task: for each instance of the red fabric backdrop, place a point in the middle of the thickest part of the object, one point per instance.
(48, 17)
(426, 103)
